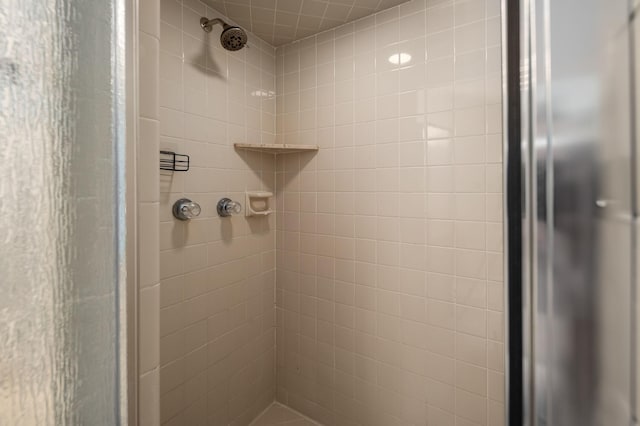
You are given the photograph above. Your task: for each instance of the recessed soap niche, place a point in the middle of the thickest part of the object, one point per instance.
(257, 203)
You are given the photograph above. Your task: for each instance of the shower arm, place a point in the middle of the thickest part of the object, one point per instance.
(207, 24)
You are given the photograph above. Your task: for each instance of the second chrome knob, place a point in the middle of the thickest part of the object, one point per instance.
(227, 207)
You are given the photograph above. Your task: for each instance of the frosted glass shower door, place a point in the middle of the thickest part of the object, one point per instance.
(580, 266)
(61, 212)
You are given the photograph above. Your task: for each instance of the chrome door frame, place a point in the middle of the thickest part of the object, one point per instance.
(129, 329)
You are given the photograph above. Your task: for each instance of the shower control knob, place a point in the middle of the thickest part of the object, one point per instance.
(185, 209)
(227, 207)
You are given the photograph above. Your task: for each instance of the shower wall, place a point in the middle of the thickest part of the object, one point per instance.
(389, 239)
(217, 345)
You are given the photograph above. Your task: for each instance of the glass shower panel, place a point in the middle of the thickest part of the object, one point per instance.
(61, 209)
(581, 156)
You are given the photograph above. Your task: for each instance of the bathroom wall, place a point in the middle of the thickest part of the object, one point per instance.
(389, 239)
(217, 345)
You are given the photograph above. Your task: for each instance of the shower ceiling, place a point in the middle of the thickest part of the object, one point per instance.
(282, 21)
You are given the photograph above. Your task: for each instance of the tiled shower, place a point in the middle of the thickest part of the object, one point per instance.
(373, 295)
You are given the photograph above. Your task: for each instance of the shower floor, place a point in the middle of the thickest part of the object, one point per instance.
(278, 414)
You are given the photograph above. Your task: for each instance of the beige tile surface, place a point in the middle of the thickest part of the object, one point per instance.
(389, 255)
(216, 314)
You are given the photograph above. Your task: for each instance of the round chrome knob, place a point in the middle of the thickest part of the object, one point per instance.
(185, 209)
(227, 207)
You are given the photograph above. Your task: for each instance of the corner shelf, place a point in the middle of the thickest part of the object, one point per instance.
(276, 148)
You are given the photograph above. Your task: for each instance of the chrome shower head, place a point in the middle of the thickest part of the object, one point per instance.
(232, 38)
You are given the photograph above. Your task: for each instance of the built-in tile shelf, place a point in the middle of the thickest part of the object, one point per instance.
(276, 148)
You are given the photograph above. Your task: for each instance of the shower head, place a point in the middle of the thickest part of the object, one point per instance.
(232, 38)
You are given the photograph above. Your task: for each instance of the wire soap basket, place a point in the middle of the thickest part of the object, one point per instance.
(171, 161)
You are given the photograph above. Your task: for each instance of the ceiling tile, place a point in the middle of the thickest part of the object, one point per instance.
(285, 19)
(309, 22)
(358, 12)
(280, 22)
(265, 4)
(337, 12)
(371, 4)
(305, 32)
(259, 15)
(292, 6)
(313, 8)
(344, 2)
